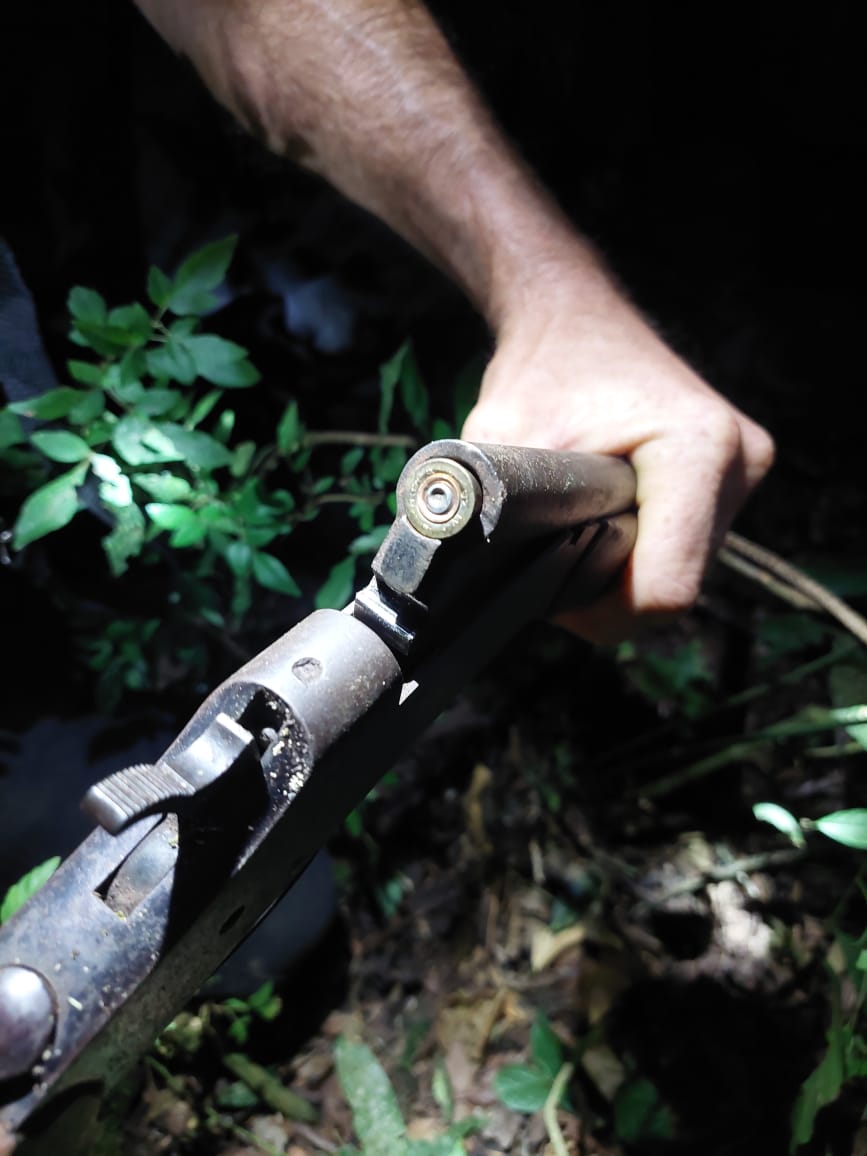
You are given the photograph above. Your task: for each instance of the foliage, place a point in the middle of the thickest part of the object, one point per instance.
(846, 1056)
(525, 1087)
(27, 885)
(681, 678)
(148, 438)
(263, 1004)
(376, 1114)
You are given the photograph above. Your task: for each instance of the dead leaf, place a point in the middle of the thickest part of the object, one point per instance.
(474, 808)
(424, 1128)
(547, 945)
(469, 1021)
(604, 1069)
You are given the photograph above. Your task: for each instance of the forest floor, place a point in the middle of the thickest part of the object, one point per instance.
(565, 880)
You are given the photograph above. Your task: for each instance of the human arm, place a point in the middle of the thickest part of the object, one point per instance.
(367, 93)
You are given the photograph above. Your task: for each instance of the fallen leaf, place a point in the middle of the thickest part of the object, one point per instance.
(547, 945)
(469, 1021)
(604, 1069)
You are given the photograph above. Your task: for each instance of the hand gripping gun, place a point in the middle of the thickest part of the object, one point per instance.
(192, 851)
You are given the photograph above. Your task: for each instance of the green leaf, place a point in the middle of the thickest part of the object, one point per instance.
(49, 406)
(241, 459)
(198, 449)
(88, 408)
(87, 306)
(186, 527)
(27, 886)
(236, 1096)
(159, 287)
(368, 543)
(821, 1087)
(289, 430)
(125, 539)
(849, 688)
(199, 274)
(846, 827)
(389, 376)
(445, 1145)
(545, 1047)
(11, 431)
(61, 445)
(338, 587)
(172, 361)
(134, 321)
(441, 1089)
(131, 368)
(390, 463)
(351, 460)
(49, 508)
(522, 1087)
(109, 340)
(164, 487)
(140, 442)
(221, 362)
(273, 575)
(86, 372)
(147, 401)
(202, 408)
(782, 819)
(376, 1115)
(640, 1114)
(239, 1030)
(413, 392)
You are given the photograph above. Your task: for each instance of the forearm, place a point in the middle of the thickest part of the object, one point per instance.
(368, 94)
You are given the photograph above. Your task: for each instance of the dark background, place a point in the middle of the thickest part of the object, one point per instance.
(715, 156)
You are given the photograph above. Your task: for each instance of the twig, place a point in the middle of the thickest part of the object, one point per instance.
(338, 497)
(820, 720)
(745, 866)
(315, 1137)
(216, 1120)
(796, 580)
(797, 674)
(344, 437)
(275, 1094)
(755, 573)
(549, 1111)
(840, 751)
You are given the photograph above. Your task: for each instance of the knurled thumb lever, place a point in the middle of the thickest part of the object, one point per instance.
(171, 784)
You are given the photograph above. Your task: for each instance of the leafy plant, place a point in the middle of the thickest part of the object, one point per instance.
(846, 1056)
(263, 1004)
(146, 437)
(526, 1087)
(27, 886)
(376, 1114)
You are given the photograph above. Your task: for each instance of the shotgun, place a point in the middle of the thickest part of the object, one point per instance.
(191, 852)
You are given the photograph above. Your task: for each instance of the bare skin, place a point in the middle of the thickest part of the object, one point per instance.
(368, 94)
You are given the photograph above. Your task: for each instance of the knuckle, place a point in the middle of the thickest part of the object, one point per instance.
(760, 451)
(724, 434)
